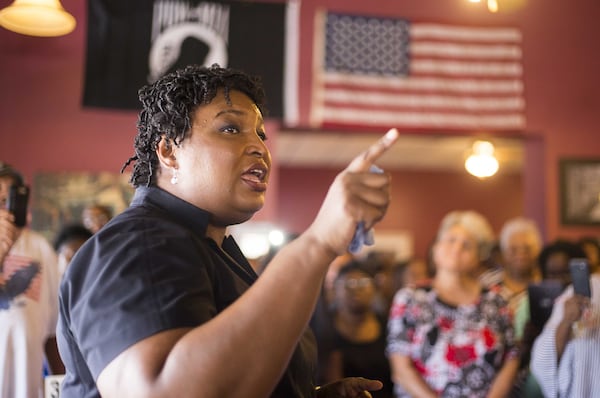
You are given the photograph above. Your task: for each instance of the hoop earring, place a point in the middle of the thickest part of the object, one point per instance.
(175, 177)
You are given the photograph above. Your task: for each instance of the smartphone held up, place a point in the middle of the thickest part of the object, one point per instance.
(16, 203)
(580, 276)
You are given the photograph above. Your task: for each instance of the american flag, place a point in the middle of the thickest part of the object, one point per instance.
(30, 284)
(389, 72)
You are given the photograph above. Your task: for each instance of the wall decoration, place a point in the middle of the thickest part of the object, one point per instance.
(59, 198)
(580, 191)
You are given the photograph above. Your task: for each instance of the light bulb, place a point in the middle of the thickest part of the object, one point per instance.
(276, 237)
(492, 5)
(254, 245)
(482, 163)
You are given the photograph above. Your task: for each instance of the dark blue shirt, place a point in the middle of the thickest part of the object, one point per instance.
(150, 269)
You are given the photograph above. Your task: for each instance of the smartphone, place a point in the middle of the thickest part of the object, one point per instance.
(580, 275)
(18, 197)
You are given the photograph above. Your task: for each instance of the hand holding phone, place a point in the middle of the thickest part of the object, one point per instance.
(580, 275)
(16, 204)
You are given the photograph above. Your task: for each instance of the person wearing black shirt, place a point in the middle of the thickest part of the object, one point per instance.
(162, 303)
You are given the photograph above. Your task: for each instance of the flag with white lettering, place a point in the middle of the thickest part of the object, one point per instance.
(390, 72)
(132, 43)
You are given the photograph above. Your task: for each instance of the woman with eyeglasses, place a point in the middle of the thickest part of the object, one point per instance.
(358, 342)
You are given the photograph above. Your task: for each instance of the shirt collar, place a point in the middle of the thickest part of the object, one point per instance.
(183, 212)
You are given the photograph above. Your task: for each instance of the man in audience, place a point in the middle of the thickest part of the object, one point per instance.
(28, 301)
(520, 243)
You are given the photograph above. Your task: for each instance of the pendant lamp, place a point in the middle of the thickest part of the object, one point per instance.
(37, 18)
(482, 163)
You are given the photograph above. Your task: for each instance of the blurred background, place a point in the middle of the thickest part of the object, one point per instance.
(48, 133)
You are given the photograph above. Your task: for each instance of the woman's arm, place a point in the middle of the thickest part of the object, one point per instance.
(244, 350)
(505, 379)
(405, 374)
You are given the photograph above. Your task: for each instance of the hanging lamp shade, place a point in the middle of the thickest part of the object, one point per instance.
(37, 18)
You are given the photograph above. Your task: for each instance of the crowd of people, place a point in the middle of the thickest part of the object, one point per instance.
(159, 300)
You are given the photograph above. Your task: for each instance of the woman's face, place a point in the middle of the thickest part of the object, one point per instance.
(456, 250)
(223, 164)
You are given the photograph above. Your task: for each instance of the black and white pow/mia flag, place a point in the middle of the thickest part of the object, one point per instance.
(132, 43)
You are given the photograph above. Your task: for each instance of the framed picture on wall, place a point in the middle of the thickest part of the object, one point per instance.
(59, 198)
(580, 191)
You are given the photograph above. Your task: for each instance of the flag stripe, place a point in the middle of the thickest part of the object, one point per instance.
(390, 72)
(463, 33)
(468, 51)
(369, 117)
(459, 85)
(483, 69)
(381, 99)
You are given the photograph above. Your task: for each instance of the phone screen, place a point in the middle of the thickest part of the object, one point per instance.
(18, 196)
(580, 275)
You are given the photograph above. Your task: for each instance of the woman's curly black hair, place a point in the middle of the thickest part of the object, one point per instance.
(168, 105)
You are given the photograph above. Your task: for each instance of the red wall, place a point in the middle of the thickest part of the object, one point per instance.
(43, 127)
(419, 199)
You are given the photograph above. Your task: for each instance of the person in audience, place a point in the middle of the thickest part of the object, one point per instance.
(28, 301)
(321, 321)
(94, 216)
(565, 358)
(381, 264)
(358, 347)
(410, 273)
(591, 246)
(454, 337)
(554, 266)
(394, 277)
(520, 243)
(67, 241)
(161, 302)
(490, 270)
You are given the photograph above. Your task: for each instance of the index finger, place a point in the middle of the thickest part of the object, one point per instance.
(366, 158)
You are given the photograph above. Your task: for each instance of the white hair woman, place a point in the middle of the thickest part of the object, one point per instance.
(453, 338)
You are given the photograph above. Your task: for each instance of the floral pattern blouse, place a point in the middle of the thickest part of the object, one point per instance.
(457, 350)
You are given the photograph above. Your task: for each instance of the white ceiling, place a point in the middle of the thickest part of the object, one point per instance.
(411, 151)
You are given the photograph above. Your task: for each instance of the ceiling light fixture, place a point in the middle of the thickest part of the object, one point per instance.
(37, 18)
(482, 163)
(491, 4)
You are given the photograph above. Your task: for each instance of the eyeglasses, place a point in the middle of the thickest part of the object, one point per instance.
(355, 283)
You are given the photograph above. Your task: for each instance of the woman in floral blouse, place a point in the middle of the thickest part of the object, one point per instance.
(453, 337)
